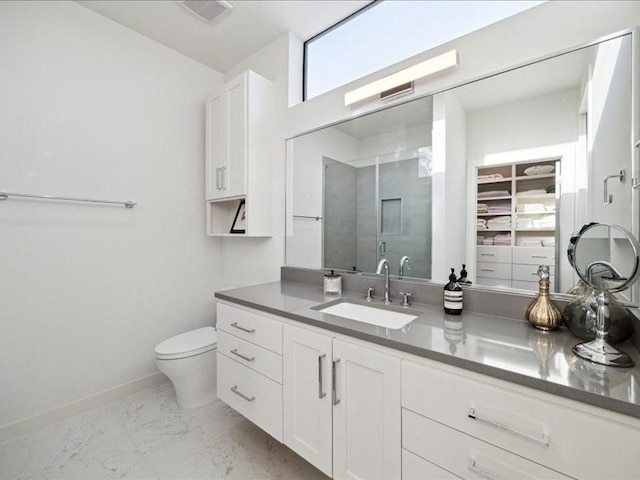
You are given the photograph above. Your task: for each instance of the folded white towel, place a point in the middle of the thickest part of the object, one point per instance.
(535, 191)
(502, 220)
(491, 176)
(530, 208)
(494, 193)
(524, 223)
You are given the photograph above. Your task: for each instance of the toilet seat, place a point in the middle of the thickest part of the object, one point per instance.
(187, 344)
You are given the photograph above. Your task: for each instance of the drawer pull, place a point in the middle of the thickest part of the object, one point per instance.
(321, 393)
(238, 354)
(472, 466)
(336, 400)
(542, 440)
(248, 398)
(487, 254)
(244, 329)
(538, 256)
(487, 270)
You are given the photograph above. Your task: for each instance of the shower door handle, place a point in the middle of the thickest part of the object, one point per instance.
(608, 198)
(382, 248)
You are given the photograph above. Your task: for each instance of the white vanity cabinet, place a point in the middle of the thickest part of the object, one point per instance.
(238, 154)
(249, 367)
(357, 410)
(475, 426)
(341, 405)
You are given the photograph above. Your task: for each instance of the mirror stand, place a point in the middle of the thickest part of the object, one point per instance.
(598, 350)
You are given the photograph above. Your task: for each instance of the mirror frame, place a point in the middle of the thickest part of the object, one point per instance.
(634, 175)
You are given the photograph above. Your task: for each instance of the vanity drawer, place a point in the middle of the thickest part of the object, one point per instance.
(529, 273)
(564, 438)
(534, 255)
(251, 326)
(494, 270)
(494, 254)
(252, 356)
(417, 468)
(462, 455)
(253, 395)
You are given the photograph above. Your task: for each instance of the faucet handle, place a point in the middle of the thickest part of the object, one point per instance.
(369, 294)
(405, 299)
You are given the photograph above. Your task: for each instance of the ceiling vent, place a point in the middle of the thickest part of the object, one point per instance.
(207, 10)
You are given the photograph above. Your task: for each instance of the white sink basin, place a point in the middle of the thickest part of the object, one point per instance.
(373, 315)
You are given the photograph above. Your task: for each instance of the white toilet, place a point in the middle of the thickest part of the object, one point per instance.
(189, 360)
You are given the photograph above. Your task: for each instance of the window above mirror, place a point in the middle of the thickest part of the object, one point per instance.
(394, 31)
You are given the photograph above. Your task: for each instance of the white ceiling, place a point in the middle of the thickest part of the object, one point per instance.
(251, 26)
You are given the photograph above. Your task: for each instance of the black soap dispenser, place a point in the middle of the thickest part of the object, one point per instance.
(452, 297)
(463, 280)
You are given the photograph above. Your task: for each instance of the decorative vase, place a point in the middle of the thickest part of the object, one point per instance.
(542, 313)
(580, 316)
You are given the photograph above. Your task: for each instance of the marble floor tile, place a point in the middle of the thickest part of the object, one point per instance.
(146, 436)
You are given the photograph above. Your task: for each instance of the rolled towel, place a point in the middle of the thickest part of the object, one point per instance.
(539, 169)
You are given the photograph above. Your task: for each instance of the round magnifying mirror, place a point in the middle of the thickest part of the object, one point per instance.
(605, 257)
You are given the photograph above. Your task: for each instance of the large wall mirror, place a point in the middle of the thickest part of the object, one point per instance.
(496, 174)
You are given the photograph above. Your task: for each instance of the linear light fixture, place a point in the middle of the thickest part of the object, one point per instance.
(419, 70)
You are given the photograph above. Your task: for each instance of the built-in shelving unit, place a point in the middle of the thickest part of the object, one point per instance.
(516, 222)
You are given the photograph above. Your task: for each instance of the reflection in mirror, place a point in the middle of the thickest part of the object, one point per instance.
(496, 174)
(605, 257)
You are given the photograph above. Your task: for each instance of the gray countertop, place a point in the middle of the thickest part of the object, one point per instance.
(504, 348)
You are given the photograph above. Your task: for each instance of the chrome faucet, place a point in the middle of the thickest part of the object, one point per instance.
(404, 260)
(384, 265)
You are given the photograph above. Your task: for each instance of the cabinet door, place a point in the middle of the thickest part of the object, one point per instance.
(366, 413)
(227, 141)
(307, 396)
(216, 146)
(234, 173)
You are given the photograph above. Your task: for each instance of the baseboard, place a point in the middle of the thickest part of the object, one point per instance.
(76, 407)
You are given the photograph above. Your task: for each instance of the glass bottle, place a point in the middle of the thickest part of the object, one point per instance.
(452, 296)
(542, 313)
(463, 280)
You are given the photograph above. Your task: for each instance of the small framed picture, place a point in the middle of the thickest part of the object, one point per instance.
(239, 224)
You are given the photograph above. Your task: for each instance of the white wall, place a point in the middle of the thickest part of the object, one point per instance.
(92, 109)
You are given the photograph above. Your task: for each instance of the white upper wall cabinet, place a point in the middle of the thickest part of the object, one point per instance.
(238, 156)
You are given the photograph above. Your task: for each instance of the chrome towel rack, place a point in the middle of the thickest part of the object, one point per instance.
(5, 196)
